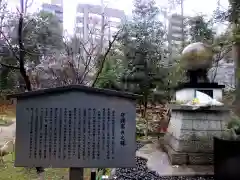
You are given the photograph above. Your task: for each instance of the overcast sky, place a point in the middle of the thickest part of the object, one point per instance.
(191, 7)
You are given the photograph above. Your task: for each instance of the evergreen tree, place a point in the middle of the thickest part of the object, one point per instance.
(200, 30)
(144, 39)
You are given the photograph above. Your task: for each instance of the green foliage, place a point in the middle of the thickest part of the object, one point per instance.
(111, 73)
(143, 40)
(42, 33)
(231, 15)
(101, 172)
(7, 75)
(200, 30)
(234, 11)
(235, 125)
(233, 129)
(7, 78)
(49, 32)
(236, 33)
(176, 74)
(10, 172)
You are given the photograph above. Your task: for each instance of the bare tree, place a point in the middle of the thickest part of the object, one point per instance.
(81, 63)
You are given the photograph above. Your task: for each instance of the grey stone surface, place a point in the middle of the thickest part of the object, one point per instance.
(200, 158)
(190, 109)
(181, 158)
(189, 145)
(223, 74)
(200, 125)
(157, 160)
(176, 157)
(187, 124)
(192, 132)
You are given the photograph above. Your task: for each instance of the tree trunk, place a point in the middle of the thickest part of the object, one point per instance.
(22, 50)
(145, 117)
(236, 58)
(22, 55)
(183, 35)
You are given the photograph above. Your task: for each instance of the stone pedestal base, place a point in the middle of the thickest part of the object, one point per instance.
(189, 139)
(190, 158)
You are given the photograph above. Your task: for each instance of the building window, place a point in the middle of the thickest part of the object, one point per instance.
(94, 20)
(79, 14)
(79, 25)
(95, 16)
(58, 12)
(114, 29)
(113, 19)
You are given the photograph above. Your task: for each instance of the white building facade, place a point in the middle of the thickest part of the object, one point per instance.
(95, 21)
(176, 33)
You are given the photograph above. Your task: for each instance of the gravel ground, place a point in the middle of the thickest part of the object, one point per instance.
(141, 172)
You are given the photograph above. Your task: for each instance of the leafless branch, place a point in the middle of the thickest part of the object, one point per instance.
(76, 66)
(9, 66)
(27, 24)
(86, 70)
(219, 56)
(9, 45)
(27, 5)
(104, 58)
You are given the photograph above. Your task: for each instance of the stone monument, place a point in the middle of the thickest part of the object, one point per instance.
(189, 139)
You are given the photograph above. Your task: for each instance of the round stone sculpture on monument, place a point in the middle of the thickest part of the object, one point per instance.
(197, 56)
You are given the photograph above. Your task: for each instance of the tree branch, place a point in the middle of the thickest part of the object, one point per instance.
(9, 66)
(219, 57)
(27, 5)
(9, 45)
(104, 58)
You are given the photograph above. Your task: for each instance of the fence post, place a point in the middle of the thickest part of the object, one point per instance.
(76, 174)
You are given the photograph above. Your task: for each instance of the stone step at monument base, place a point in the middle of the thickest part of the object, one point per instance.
(186, 142)
(181, 158)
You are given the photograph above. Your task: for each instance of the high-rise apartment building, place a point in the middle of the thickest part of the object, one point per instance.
(97, 21)
(176, 28)
(56, 9)
(176, 34)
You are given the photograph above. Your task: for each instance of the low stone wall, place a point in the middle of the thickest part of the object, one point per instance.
(189, 139)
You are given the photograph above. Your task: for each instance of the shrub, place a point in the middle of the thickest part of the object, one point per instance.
(235, 125)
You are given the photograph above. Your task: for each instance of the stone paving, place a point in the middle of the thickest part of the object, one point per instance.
(151, 167)
(157, 161)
